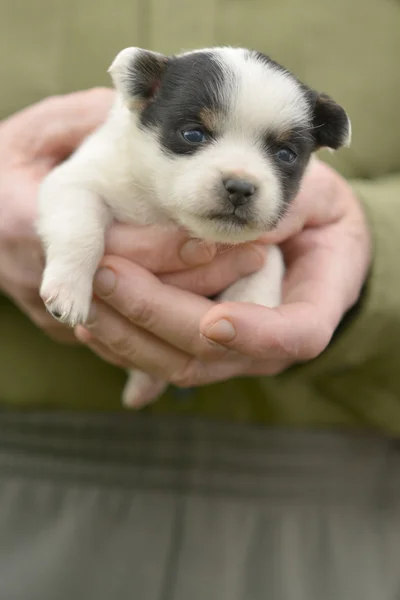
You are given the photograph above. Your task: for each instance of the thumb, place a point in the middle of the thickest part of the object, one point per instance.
(318, 288)
(291, 332)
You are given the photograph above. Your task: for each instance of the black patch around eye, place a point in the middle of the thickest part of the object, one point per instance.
(190, 84)
(174, 142)
(299, 141)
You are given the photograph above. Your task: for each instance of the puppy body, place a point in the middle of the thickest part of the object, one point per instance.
(215, 141)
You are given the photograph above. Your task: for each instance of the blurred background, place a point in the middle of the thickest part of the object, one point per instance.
(56, 46)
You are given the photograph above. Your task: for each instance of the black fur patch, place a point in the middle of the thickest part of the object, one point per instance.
(144, 74)
(300, 141)
(330, 122)
(189, 85)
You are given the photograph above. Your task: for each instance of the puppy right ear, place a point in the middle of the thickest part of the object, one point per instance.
(137, 74)
(331, 124)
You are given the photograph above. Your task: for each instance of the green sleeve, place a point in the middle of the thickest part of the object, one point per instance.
(361, 367)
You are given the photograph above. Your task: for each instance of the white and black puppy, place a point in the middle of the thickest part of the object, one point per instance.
(215, 140)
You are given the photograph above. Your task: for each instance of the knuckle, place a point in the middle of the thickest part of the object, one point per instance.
(204, 282)
(307, 345)
(156, 263)
(211, 351)
(117, 361)
(317, 342)
(121, 345)
(141, 313)
(190, 375)
(271, 346)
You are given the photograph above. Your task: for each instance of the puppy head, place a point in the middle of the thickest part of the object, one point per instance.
(231, 134)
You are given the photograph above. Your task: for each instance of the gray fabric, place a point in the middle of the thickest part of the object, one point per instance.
(114, 507)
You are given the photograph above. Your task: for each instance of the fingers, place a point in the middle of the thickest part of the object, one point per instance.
(162, 310)
(326, 268)
(290, 332)
(157, 249)
(170, 252)
(319, 284)
(61, 336)
(121, 343)
(54, 127)
(117, 341)
(225, 269)
(316, 273)
(130, 345)
(85, 337)
(44, 321)
(145, 324)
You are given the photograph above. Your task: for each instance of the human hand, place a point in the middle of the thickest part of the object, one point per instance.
(32, 142)
(189, 340)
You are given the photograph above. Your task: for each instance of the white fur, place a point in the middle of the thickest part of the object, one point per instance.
(121, 173)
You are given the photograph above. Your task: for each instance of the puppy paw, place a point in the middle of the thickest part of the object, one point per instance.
(67, 298)
(142, 389)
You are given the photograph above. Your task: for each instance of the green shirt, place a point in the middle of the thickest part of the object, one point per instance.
(350, 50)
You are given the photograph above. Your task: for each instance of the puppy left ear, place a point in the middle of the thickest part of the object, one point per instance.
(137, 74)
(331, 125)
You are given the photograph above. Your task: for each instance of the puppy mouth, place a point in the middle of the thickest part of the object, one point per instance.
(231, 218)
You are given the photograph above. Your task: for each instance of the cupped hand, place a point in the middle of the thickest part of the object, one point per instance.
(142, 321)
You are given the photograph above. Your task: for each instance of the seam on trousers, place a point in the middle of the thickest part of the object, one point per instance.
(172, 565)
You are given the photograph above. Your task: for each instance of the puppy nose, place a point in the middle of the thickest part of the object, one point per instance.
(239, 190)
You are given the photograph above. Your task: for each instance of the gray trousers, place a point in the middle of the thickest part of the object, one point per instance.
(120, 507)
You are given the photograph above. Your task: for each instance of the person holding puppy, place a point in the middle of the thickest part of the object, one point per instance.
(277, 481)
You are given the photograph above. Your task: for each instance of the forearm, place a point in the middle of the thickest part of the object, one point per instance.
(359, 371)
(378, 309)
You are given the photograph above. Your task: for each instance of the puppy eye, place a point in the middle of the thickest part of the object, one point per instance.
(194, 136)
(286, 155)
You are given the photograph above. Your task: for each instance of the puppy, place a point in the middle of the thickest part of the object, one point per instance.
(215, 141)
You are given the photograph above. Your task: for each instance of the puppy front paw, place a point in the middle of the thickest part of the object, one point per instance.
(67, 297)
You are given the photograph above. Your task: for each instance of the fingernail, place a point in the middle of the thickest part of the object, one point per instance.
(221, 331)
(250, 259)
(197, 252)
(104, 282)
(91, 316)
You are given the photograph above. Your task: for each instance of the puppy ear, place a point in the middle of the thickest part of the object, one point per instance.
(137, 74)
(331, 125)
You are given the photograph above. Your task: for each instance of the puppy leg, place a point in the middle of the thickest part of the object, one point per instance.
(263, 287)
(142, 389)
(72, 224)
